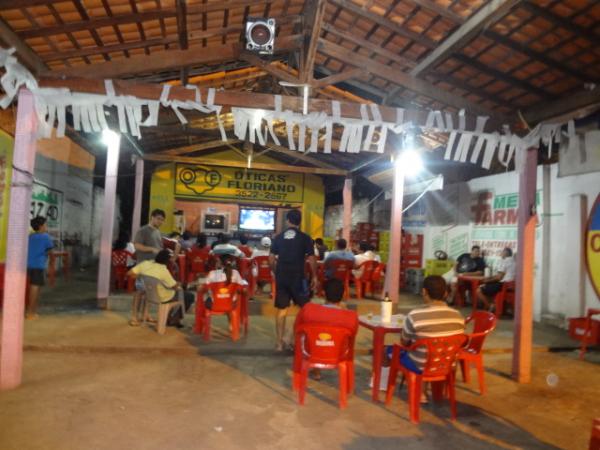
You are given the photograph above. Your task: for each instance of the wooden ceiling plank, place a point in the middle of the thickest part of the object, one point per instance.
(486, 16)
(84, 15)
(439, 9)
(15, 4)
(391, 74)
(177, 151)
(118, 33)
(339, 77)
(88, 51)
(172, 60)
(268, 67)
(314, 11)
(73, 41)
(203, 8)
(24, 53)
(301, 156)
(99, 22)
(578, 31)
(564, 107)
(243, 164)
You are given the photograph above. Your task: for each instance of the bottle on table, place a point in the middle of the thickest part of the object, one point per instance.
(386, 309)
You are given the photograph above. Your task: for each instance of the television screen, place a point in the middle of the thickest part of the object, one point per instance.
(214, 222)
(257, 219)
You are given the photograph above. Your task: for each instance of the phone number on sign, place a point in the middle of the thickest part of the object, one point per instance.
(260, 195)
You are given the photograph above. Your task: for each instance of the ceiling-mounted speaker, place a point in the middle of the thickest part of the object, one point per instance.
(260, 35)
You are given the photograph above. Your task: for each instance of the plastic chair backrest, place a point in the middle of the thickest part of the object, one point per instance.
(150, 288)
(244, 266)
(119, 258)
(340, 268)
(198, 258)
(264, 268)
(483, 323)
(323, 344)
(246, 250)
(378, 272)
(441, 353)
(368, 267)
(223, 296)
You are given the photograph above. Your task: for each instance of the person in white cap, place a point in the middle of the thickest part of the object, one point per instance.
(264, 249)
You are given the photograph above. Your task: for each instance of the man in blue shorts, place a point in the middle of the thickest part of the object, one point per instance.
(40, 244)
(289, 250)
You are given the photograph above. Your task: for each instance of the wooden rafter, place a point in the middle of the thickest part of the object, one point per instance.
(300, 156)
(171, 60)
(23, 52)
(414, 84)
(314, 11)
(268, 66)
(243, 164)
(339, 77)
(564, 107)
(177, 151)
(95, 23)
(203, 8)
(486, 16)
(181, 8)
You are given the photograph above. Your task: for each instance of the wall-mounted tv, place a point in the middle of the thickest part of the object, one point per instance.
(214, 222)
(257, 219)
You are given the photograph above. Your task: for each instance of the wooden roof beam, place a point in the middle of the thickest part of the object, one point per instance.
(313, 13)
(564, 108)
(171, 60)
(24, 53)
(93, 24)
(243, 164)
(300, 156)
(486, 16)
(268, 66)
(181, 9)
(339, 77)
(202, 8)
(177, 151)
(421, 87)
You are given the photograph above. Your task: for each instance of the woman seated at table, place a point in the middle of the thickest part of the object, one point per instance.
(224, 272)
(505, 272)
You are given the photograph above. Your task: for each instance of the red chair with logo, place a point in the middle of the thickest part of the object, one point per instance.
(324, 347)
(197, 262)
(264, 273)
(378, 278)
(364, 284)
(119, 270)
(342, 270)
(587, 338)
(438, 370)
(483, 324)
(506, 295)
(225, 301)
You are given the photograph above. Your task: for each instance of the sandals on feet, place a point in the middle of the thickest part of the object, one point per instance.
(134, 323)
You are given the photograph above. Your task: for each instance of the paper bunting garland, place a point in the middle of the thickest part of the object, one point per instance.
(369, 133)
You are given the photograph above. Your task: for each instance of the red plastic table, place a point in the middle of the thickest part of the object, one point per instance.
(475, 282)
(379, 330)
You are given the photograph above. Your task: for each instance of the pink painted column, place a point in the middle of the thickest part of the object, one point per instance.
(392, 274)
(347, 215)
(112, 140)
(11, 351)
(137, 200)
(527, 218)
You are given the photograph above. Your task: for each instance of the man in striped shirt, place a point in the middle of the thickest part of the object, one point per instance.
(435, 319)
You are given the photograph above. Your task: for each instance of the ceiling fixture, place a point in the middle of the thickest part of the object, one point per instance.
(260, 35)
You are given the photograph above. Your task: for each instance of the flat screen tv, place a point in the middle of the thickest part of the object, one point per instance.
(214, 223)
(257, 219)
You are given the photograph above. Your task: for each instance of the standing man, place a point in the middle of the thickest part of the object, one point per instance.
(289, 250)
(147, 243)
(40, 244)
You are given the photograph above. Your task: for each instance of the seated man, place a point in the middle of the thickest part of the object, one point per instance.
(331, 313)
(505, 272)
(264, 249)
(340, 253)
(434, 319)
(167, 289)
(244, 247)
(466, 264)
(366, 254)
(225, 248)
(320, 249)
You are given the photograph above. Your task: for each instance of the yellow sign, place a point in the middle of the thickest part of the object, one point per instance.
(592, 255)
(6, 151)
(209, 182)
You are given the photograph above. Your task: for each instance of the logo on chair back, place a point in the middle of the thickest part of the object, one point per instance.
(324, 340)
(592, 244)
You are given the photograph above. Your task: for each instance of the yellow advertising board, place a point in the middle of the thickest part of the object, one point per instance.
(6, 150)
(592, 252)
(211, 182)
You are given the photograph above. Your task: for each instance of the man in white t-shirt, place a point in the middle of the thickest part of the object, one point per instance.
(505, 272)
(366, 254)
(225, 248)
(264, 249)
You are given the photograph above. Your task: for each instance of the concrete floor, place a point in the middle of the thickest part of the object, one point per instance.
(91, 381)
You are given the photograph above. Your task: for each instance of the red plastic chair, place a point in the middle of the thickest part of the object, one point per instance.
(225, 302)
(247, 251)
(588, 331)
(483, 324)
(324, 347)
(364, 284)
(595, 437)
(197, 262)
(378, 278)
(438, 369)
(244, 267)
(506, 295)
(264, 273)
(342, 270)
(119, 269)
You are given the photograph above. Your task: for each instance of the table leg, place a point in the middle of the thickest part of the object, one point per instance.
(474, 286)
(51, 269)
(378, 339)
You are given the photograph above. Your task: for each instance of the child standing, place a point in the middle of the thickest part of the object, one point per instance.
(40, 244)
